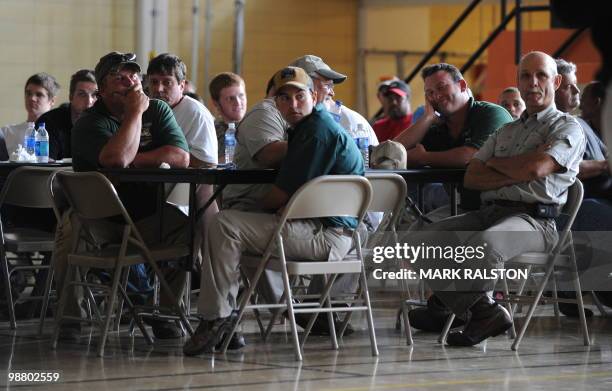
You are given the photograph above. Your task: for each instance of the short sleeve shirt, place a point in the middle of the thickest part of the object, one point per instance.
(319, 146)
(198, 126)
(483, 119)
(549, 126)
(261, 126)
(96, 126)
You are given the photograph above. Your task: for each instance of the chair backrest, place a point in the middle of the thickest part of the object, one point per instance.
(91, 195)
(575, 194)
(388, 194)
(28, 186)
(328, 196)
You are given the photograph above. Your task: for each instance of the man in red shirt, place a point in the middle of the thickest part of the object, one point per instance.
(396, 107)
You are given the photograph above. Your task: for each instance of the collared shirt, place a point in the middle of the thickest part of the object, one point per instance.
(526, 134)
(388, 128)
(319, 146)
(96, 126)
(483, 119)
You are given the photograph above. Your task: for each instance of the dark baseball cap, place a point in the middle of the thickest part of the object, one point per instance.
(397, 87)
(314, 65)
(114, 62)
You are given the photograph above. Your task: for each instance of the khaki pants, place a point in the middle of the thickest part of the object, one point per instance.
(175, 231)
(233, 232)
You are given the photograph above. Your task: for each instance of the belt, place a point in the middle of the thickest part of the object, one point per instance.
(530, 208)
(533, 209)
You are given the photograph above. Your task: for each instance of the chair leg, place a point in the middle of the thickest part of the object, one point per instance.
(407, 330)
(7, 288)
(446, 329)
(109, 311)
(62, 304)
(600, 306)
(556, 297)
(509, 307)
(46, 298)
(313, 317)
(370, 317)
(576, 278)
(125, 274)
(135, 318)
(532, 307)
(294, 334)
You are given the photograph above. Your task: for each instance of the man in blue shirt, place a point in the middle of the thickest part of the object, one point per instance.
(317, 146)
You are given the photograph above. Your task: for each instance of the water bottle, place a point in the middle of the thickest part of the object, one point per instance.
(30, 138)
(41, 146)
(335, 111)
(230, 143)
(363, 142)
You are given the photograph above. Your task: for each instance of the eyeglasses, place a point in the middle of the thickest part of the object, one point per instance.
(328, 85)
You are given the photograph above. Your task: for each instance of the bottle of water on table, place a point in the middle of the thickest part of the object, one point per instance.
(41, 146)
(230, 144)
(30, 138)
(363, 142)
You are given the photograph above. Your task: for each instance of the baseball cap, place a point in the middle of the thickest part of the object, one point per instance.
(113, 62)
(389, 155)
(314, 65)
(397, 87)
(292, 76)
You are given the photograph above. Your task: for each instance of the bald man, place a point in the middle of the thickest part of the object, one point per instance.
(526, 164)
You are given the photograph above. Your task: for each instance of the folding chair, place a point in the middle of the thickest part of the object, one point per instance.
(324, 196)
(389, 192)
(80, 190)
(562, 257)
(27, 187)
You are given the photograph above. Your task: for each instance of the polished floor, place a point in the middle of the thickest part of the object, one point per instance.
(551, 357)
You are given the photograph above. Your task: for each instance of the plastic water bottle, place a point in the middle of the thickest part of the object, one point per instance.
(363, 142)
(41, 146)
(230, 143)
(30, 138)
(335, 111)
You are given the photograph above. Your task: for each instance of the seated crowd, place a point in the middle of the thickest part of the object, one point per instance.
(526, 150)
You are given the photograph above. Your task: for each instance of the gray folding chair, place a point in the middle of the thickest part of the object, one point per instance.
(27, 187)
(561, 258)
(389, 192)
(81, 190)
(324, 196)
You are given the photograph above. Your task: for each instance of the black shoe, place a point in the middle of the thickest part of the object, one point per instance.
(237, 342)
(433, 317)
(208, 335)
(321, 324)
(571, 310)
(163, 329)
(70, 331)
(488, 319)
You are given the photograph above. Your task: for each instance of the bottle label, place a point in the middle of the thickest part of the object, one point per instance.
(41, 148)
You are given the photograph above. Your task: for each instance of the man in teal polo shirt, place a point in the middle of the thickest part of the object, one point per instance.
(317, 146)
(125, 128)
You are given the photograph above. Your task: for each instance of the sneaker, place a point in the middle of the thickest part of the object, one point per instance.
(208, 334)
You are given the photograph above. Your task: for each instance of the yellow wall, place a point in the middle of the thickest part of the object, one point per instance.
(58, 37)
(62, 36)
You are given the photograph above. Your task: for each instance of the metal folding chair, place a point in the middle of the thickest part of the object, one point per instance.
(324, 196)
(80, 190)
(28, 187)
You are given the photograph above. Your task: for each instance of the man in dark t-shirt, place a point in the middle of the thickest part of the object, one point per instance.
(125, 128)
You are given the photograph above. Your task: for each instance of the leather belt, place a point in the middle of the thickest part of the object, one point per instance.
(527, 207)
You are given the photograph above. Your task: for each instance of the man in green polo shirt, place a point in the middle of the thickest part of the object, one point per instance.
(317, 146)
(451, 138)
(125, 128)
